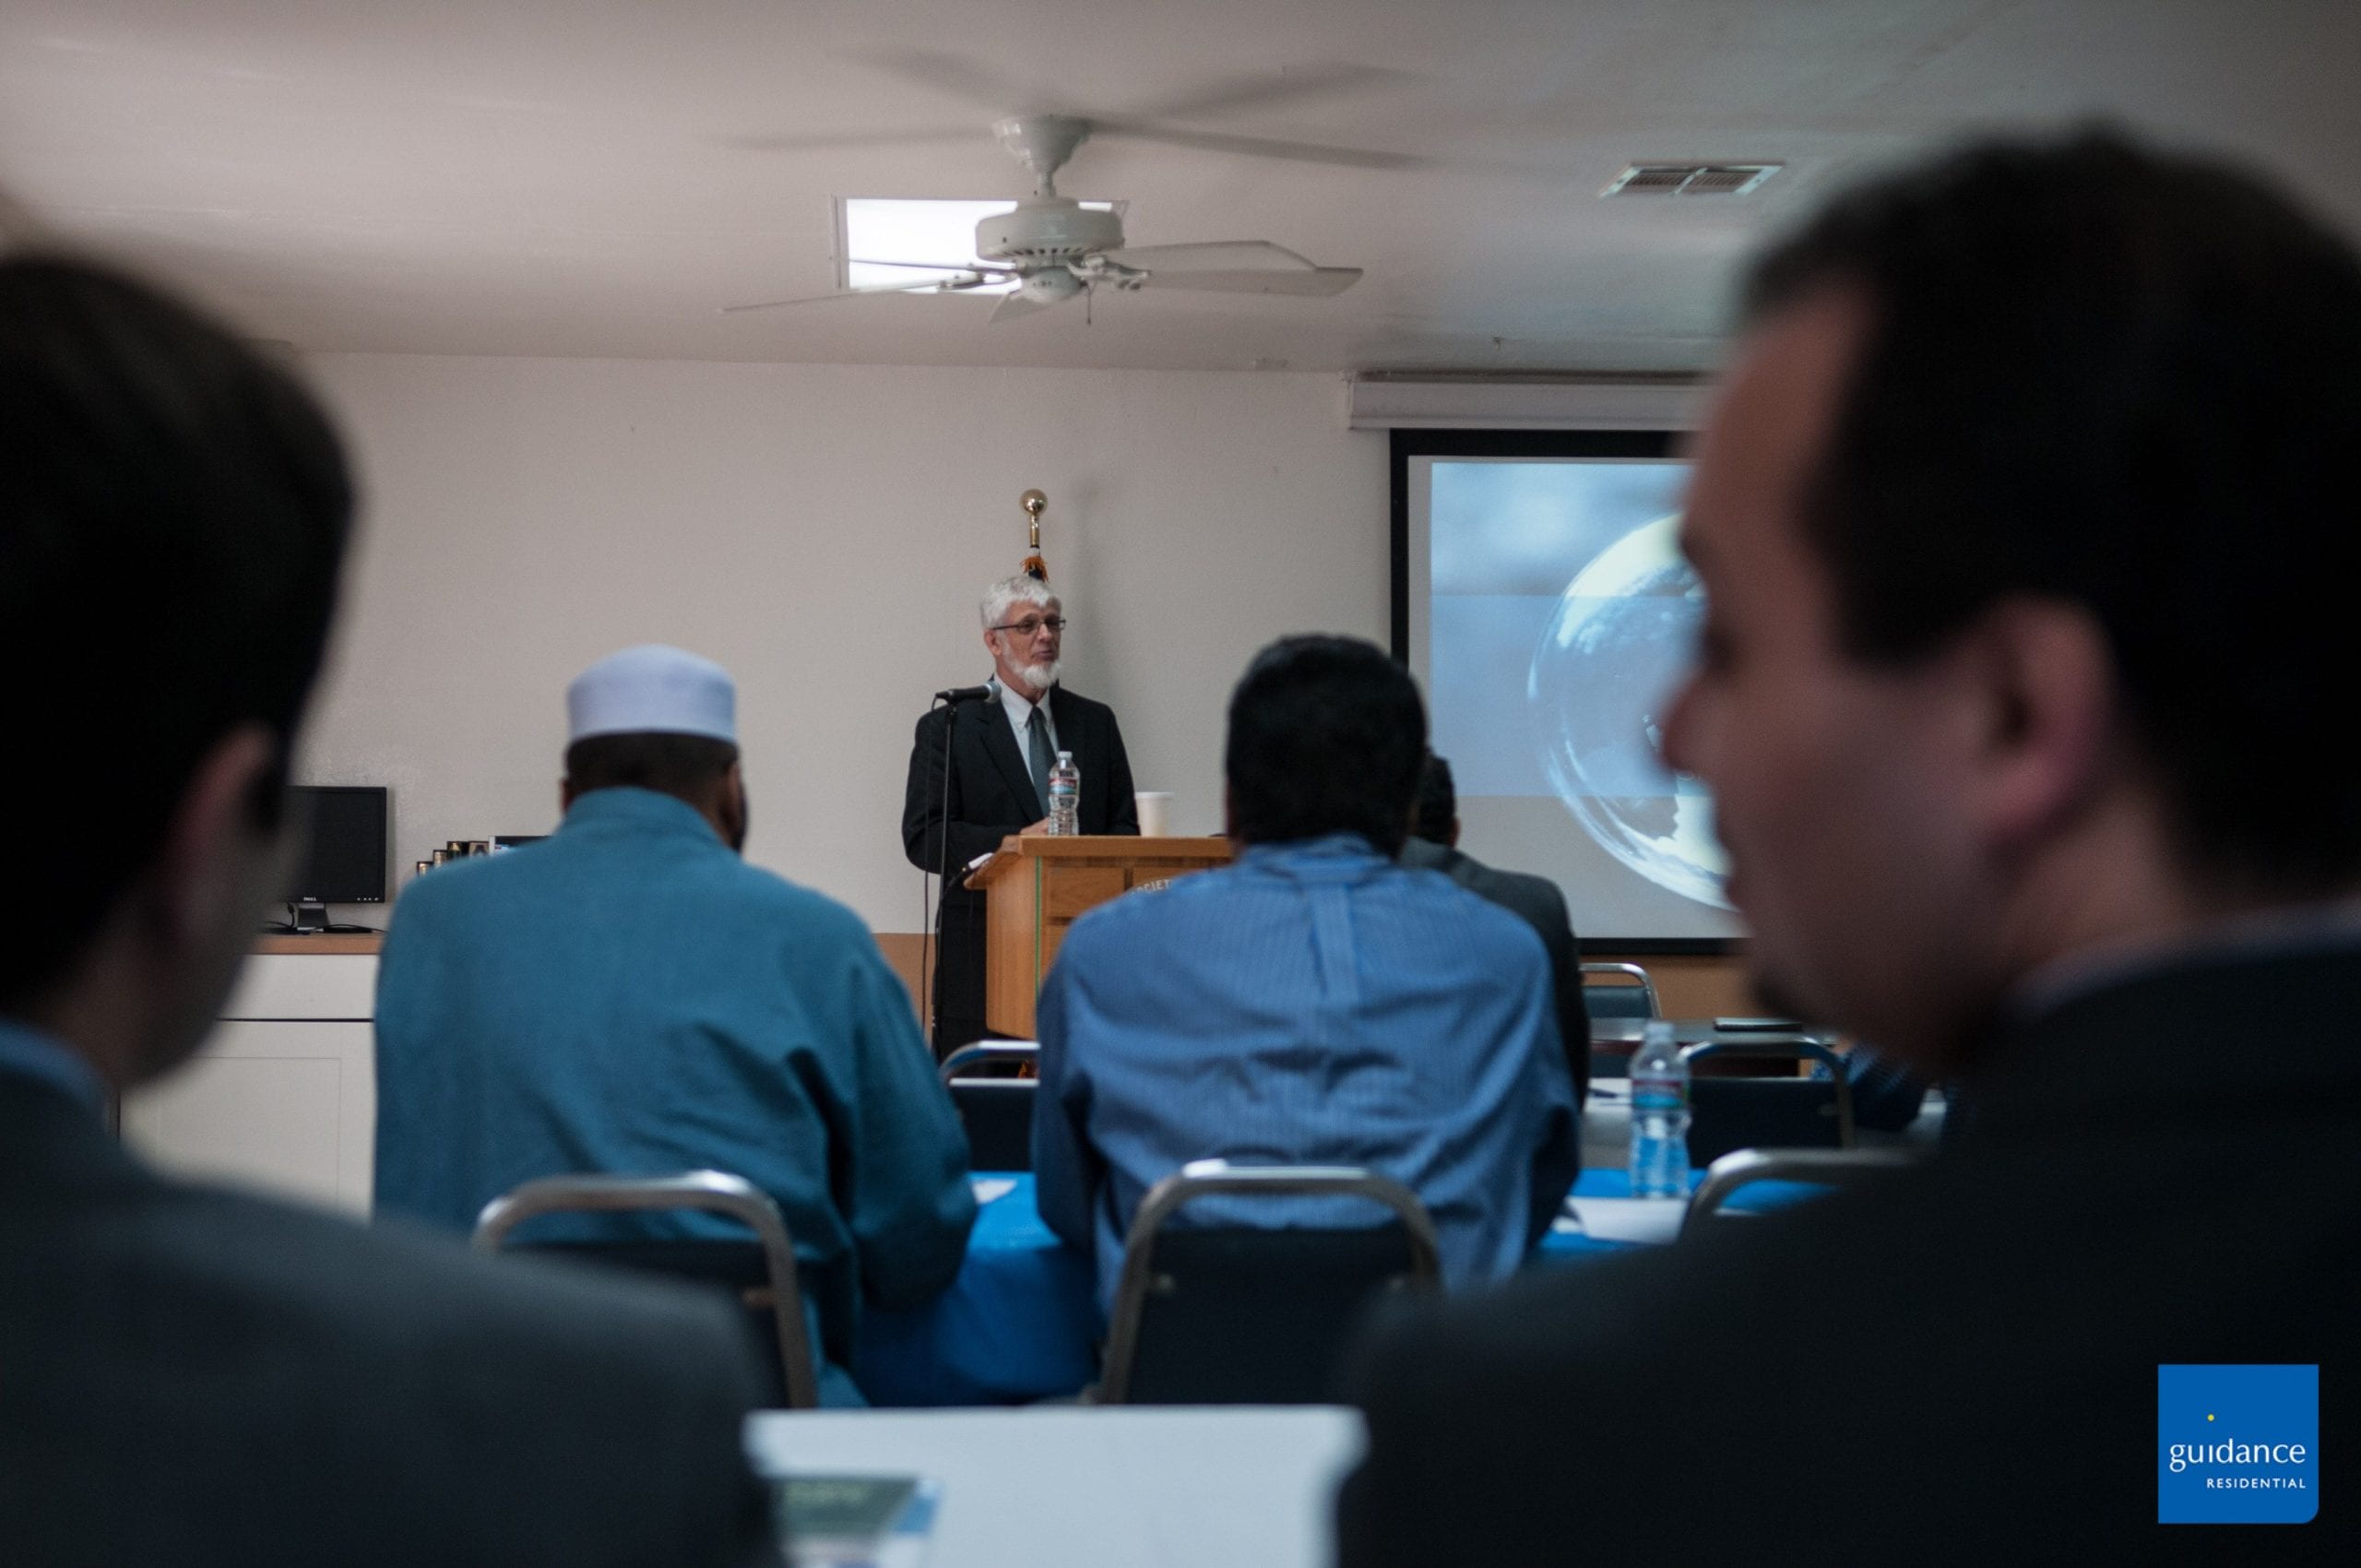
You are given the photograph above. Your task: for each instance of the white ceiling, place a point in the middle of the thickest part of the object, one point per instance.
(558, 176)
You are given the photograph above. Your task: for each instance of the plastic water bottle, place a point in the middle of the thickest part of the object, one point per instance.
(1065, 795)
(1659, 1115)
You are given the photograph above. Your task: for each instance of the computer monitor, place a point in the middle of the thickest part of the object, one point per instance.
(341, 830)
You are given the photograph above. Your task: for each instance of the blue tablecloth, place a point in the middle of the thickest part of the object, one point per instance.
(1022, 1322)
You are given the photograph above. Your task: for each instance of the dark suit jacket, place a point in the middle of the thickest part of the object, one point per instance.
(1536, 901)
(991, 797)
(1956, 1365)
(190, 1375)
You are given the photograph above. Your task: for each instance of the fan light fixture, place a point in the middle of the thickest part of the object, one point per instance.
(916, 230)
(1047, 248)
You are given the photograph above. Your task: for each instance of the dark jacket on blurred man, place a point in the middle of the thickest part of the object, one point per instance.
(189, 1374)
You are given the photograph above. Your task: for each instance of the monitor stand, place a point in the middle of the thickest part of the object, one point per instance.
(307, 919)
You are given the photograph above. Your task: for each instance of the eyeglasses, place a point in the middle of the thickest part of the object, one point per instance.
(1055, 624)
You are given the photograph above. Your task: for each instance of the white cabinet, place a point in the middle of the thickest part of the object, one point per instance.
(283, 1095)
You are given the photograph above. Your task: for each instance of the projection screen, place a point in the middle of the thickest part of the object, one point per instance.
(1540, 599)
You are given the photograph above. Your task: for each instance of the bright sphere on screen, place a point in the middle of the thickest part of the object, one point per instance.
(1607, 665)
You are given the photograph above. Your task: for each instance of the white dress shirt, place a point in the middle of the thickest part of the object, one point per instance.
(1020, 714)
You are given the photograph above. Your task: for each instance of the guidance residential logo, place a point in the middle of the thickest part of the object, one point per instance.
(2237, 1444)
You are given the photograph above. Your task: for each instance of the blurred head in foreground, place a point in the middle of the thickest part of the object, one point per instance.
(2027, 518)
(173, 509)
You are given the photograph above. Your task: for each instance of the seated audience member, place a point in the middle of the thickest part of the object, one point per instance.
(629, 996)
(1433, 844)
(2026, 525)
(188, 1374)
(1887, 1095)
(1313, 1003)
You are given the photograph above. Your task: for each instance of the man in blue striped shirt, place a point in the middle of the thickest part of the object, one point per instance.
(1313, 1003)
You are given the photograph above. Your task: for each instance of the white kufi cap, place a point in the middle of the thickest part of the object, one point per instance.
(652, 689)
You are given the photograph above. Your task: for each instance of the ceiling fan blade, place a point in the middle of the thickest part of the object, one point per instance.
(830, 139)
(1211, 255)
(1013, 305)
(1317, 280)
(1288, 84)
(956, 74)
(984, 268)
(1257, 146)
(839, 294)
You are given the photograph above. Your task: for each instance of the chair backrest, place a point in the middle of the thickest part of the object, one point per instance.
(1235, 1315)
(997, 1111)
(998, 1116)
(1817, 1166)
(1632, 994)
(1015, 1056)
(713, 1191)
(1786, 1112)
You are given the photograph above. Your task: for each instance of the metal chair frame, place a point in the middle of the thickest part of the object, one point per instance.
(1648, 986)
(1823, 1166)
(1207, 1177)
(713, 1191)
(1025, 1051)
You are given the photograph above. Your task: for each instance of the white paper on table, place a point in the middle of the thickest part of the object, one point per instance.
(901, 1544)
(990, 1187)
(1654, 1221)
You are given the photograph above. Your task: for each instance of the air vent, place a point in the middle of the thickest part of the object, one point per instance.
(1691, 179)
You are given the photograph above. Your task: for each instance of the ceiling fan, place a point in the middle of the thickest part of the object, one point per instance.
(1054, 248)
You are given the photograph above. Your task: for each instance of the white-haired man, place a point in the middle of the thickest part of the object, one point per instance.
(998, 782)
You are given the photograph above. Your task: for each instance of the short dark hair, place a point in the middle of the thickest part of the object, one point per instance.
(2128, 381)
(173, 510)
(1326, 736)
(689, 766)
(1438, 802)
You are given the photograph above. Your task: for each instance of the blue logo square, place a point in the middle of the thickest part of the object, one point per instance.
(2237, 1444)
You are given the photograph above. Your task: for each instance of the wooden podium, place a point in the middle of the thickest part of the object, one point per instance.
(1035, 886)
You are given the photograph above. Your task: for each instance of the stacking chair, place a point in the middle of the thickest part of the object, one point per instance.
(1823, 1167)
(1230, 1314)
(996, 1111)
(1633, 995)
(762, 1273)
(1782, 1113)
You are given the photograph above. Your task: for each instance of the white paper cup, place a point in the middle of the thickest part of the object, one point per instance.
(1156, 813)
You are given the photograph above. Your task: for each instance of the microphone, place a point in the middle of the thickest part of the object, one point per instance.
(961, 694)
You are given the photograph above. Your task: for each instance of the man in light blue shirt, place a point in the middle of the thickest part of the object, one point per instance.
(1315, 1003)
(629, 996)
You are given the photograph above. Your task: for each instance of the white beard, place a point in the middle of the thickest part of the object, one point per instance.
(1040, 677)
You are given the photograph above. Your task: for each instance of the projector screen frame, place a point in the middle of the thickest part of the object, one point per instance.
(1406, 445)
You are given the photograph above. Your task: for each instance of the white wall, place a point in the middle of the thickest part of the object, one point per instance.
(824, 530)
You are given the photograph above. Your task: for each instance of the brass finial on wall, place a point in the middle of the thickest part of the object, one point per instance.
(1034, 503)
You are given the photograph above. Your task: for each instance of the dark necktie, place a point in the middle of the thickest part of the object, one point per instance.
(1036, 748)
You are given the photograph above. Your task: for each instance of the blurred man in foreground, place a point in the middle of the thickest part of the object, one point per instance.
(187, 1375)
(2027, 521)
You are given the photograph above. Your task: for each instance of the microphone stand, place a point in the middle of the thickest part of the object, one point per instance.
(930, 951)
